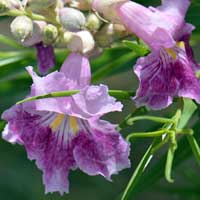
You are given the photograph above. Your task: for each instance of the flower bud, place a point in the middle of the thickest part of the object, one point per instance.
(81, 4)
(50, 34)
(82, 42)
(15, 4)
(39, 4)
(36, 37)
(93, 22)
(6, 5)
(107, 8)
(72, 19)
(109, 34)
(22, 28)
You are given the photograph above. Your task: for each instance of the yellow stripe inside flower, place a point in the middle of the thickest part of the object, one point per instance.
(55, 125)
(181, 45)
(172, 53)
(57, 122)
(73, 124)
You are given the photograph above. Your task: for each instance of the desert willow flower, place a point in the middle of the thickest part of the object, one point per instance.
(66, 133)
(169, 70)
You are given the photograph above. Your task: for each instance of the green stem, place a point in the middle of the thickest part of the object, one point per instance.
(50, 95)
(119, 94)
(185, 131)
(170, 157)
(150, 118)
(148, 134)
(168, 166)
(33, 16)
(177, 117)
(124, 123)
(159, 145)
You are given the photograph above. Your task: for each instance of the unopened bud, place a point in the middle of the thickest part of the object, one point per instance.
(7, 5)
(39, 4)
(50, 34)
(81, 4)
(82, 42)
(72, 19)
(15, 4)
(36, 37)
(93, 22)
(67, 37)
(22, 28)
(4, 6)
(107, 8)
(109, 34)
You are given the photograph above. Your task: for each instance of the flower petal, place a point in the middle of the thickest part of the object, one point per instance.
(77, 70)
(53, 82)
(184, 36)
(189, 84)
(94, 101)
(42, 145)
(149, 23)
(45, 56)
(103, 151)
(163, 77)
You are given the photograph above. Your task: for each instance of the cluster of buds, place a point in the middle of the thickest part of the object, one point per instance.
(7, 5)
(72, 24)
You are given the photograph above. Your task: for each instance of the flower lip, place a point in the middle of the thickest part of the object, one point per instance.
(163, 75)
(61, 143)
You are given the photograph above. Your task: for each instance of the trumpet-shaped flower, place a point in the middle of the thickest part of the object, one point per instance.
(169, 70)
(66, 133)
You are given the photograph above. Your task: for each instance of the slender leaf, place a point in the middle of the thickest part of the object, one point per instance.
(7, 41)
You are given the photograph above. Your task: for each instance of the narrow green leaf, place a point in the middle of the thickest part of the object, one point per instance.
(137, 48)
(187, 112)
(7, 61)
(195, 147)
(106, 69)
(121, 94)
(183, 152)
(138, 172)
(7, 41)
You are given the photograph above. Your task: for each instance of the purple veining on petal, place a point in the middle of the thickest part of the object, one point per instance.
(52, 156)
(102, 151)
(45, 56)
(161, 78)
(60, 143)
(184, 35)
(184, 72)
(91, 101)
